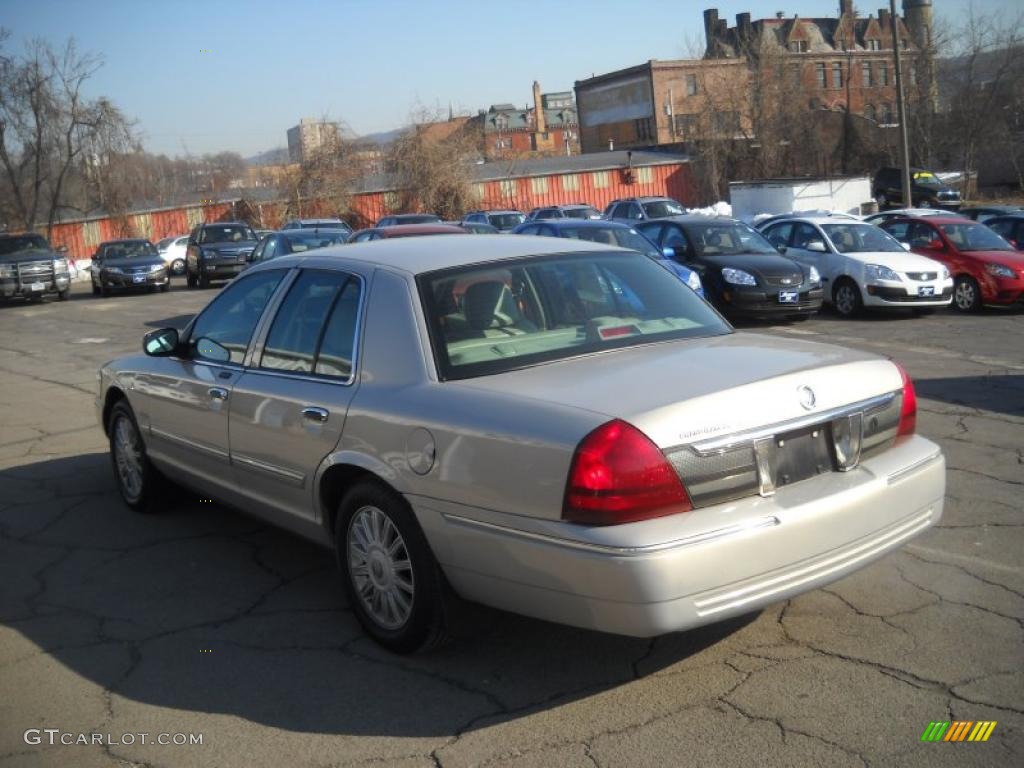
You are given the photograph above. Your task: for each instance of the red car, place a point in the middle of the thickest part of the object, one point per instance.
(985, 268)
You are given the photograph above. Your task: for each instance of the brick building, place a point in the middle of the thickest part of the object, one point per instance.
(837, 63)
(549, 127)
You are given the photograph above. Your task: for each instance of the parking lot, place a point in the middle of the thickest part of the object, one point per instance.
(201, 620)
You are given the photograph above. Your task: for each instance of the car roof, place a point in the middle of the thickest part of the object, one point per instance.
(311, 231)
(585, 223)
(693, 218)
(124, 240)
(496, 210)
(414, 256)
(1014, 215)
(936, 220)
(827, 220)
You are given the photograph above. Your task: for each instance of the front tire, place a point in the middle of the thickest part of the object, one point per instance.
(394, 584)
(135, 476)
(966, 294)
(64, 295)
(178, 267)
(190, 280)
(204, 280)
(104, 289)
(846, 298)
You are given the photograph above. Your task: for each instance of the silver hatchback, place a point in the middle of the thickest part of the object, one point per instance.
(551, 427)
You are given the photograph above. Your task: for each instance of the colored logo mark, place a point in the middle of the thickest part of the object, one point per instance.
(959, 730)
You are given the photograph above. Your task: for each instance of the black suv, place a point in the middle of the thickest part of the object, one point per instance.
(30, 268)
(926, 189)
(630, 210)
(217, 252)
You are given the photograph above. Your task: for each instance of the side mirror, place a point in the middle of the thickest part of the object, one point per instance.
(669, 252)
(817, 246)
(160, 343)
(781, 248)
(906, 246)
(936, 245)
(210, 350)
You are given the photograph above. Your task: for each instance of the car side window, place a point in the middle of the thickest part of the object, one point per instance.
(530, 230)
(270, 249)
(920, 234)
(674, 238)
(337, 348)
(898, 230)
(1020, 233)
(231, 318)
(779, 234)
(633, 211)
(803, 234)
(297, 329)
(1003, 228)
(257, 254)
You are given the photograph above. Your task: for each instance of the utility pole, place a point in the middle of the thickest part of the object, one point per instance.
(901, 106)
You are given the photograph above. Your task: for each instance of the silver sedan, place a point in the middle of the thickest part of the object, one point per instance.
(551, 427)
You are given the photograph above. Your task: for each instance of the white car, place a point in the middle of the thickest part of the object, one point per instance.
(861, 265)
(173, 250)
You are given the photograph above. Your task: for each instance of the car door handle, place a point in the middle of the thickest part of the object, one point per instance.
(313, 413)
(217, 393)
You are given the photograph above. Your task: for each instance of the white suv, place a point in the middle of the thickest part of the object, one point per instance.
(861, 265)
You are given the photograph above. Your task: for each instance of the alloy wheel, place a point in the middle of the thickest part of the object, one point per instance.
(846, 301)
(380, 567)
(128, 457)
(965, 295)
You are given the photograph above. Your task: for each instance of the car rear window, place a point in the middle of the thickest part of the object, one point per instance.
(491, 318)
(660, 208)
(506, 220)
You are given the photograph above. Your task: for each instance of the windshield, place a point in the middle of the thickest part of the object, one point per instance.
(627, 238)
(860, 238)
(661, 208)
(225, 233)
(133, 249)
(974, 237)
(23, 243)
(927, 178)
(505, 220)
(728, 239)
(308, 241)
(491, 318)
(586, 212)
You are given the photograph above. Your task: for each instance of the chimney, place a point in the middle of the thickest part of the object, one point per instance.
(540, 123)
(883, 17)
(780, 14)
(845, 8)
(710, 28)
(743, 27)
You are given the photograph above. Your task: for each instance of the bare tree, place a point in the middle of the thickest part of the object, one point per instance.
(436, 175)
(46, 127)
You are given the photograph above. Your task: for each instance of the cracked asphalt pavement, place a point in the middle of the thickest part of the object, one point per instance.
(201, 620)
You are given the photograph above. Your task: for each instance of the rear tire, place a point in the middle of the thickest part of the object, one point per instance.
(846, 298)
(966, 294)
(178, 267)
(394, 585)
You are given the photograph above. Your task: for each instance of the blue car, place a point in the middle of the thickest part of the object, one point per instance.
(610, 233)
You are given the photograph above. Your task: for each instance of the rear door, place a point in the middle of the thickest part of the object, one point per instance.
(289, 406)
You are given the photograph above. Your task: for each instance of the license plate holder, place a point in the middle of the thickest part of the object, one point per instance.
(37, 287)
(925, 290)
(139, 279)
(789, 297)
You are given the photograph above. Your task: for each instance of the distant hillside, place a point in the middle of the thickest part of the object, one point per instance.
(274, 156)
(383, 137)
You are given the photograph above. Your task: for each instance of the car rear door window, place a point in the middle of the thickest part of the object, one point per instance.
(804, 234)
(297, 330)
(919, 235)
(231, 318)
(337, 349)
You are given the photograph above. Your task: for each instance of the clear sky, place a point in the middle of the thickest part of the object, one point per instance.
(370, 63)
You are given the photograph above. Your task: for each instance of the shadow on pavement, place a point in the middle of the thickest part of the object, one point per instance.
(204, 609)
(1001, 394)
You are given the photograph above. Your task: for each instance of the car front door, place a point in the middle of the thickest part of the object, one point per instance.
(183, 401)
(288, 407)
(828, 264)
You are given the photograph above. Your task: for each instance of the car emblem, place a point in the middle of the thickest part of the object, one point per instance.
(807, 398)
(786, 281)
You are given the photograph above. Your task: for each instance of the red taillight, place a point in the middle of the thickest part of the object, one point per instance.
(908, 412)
(619, 476)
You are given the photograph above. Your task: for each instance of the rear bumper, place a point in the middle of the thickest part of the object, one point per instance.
(646, 579)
